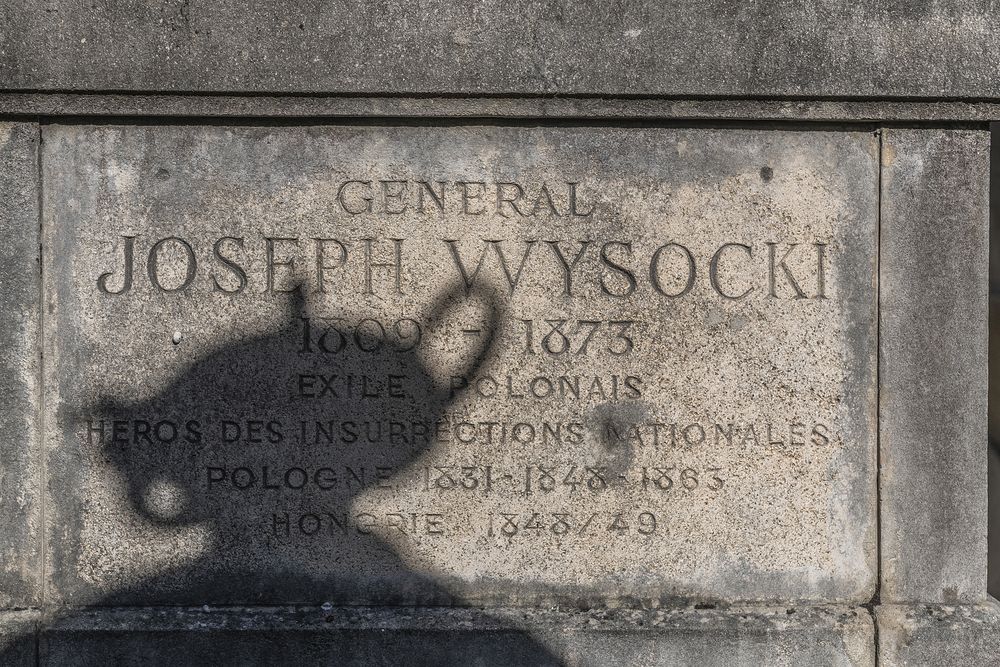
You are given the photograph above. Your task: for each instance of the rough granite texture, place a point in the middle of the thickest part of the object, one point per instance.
(18, 630)
(710, 438)
(365, 636)
(929, 635)
(20, 474)
(933, 373)
(838, 48)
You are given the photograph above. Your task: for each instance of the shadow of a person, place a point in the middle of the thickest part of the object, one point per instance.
(267, 443)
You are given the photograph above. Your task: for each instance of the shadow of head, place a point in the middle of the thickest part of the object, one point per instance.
(299, 420)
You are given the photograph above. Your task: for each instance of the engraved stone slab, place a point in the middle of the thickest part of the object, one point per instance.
(492, 364)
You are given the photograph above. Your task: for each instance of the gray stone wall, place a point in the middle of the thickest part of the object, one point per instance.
(508, 333)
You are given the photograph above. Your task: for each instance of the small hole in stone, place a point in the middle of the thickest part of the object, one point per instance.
(766, 173)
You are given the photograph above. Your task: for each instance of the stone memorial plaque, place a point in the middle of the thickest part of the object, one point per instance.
(488, 364)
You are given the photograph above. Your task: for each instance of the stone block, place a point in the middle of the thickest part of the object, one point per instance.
(18, 638)
(376, 364)
(20, 469)
(933, 372)
(366, 636)
(932, 635)
(716, 48)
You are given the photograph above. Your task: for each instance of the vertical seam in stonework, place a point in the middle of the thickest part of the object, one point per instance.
(41, 425)
(876, 598)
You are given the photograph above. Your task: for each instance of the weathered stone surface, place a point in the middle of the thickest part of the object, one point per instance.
(993, 465)
(993, 531)
(364, 636)
(712, 48)
(931, 635)
(933, 272)
(20, 475)
(504, 109)
(603, 432)
(17, 638)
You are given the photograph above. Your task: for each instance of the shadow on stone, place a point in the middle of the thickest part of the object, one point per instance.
(266, 444)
